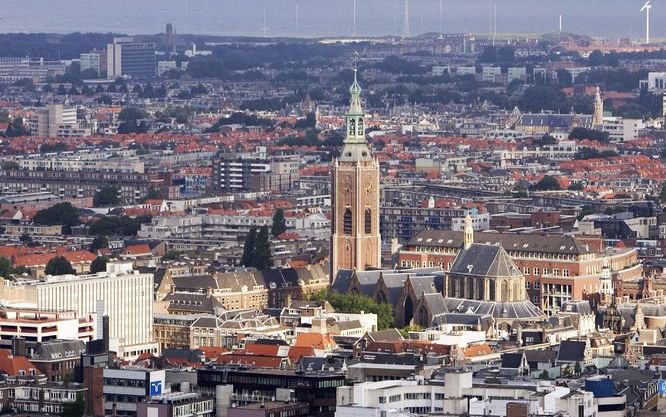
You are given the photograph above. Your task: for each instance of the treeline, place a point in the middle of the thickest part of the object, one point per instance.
(52, 46)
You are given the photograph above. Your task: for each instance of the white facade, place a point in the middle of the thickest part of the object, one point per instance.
(480, 221)
(55, 120)
(622, 130)
(91, 61)
(656, 82)
(491, 74)
(124, 388)
(164, 66)
(122, 294)
(516, 73)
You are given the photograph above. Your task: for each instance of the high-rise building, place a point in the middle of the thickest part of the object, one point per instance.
(120, 293)
(93, 61)
(56, 120)
(598, 119)
(355, 236)
(125, 57)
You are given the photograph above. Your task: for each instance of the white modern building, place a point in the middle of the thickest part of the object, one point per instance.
(460, 395)
(56, 120)
(124, 295)
(93, 61)
(39, 325)
(125, 388)
(622, 130)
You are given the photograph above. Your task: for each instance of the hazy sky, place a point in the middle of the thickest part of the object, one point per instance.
(611, 18)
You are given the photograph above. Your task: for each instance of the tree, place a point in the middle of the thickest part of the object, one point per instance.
(59, 266)
(171, 255)
(544, 375)
(662, 194)
(106, 196)
(355, 303)
(117, 226)
(26, 239)
(279, 223)
(577, 368)
(547, 183)
(99, 242)
(75, 409)
(591, 134)
(6, 269)
(59, 214)
(249, 248)
(99, 264)
(263, 257)
(16, 128)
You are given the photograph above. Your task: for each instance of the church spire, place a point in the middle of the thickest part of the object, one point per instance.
(355, 115)
(468, 231)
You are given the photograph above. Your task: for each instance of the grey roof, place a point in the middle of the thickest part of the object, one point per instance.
(512, 360)
(436, 303)
(394, 284)
(520, 242)
(571, 351)
(388, 335)
(350, 324)
(192, 302)
(499, 310)
(368, 281)
(485, 261)
(69, 349)
(237, 280)
(581, 307)
(194, 283)
(342, 280)
(471, 320)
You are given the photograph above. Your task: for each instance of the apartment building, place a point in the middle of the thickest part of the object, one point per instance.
(57, 120)
(125, 57)
(124, 295)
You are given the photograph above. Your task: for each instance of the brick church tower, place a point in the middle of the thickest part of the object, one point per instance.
(355, 239)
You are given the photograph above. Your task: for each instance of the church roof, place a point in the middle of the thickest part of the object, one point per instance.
(484, 260)
(565, 245)
(499, 310)
(426, 284)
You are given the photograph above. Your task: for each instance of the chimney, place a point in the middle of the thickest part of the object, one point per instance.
(105, 332)
(18, 346)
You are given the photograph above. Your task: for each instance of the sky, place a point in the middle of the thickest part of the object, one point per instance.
(322, 18)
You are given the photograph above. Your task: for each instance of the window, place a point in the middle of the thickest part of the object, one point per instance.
(368, 221)
(382, 400)
(347, 222)
(536, 286)
(565, 272)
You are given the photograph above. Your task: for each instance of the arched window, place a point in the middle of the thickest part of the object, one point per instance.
(352, 127)
(347, 222)
(368, 221)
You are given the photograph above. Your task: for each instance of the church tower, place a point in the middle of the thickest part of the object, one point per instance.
(355, 239)
(598, 117)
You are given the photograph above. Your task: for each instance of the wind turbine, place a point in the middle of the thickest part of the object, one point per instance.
(646, 8)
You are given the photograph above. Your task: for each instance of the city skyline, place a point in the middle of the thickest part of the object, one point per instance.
(319, 18)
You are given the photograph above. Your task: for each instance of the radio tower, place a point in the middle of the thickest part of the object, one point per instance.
(406, 33)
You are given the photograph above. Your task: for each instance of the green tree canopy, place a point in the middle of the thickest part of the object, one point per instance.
(249, 248)
(263, 257)
(117, 226)
(59, 266)
(279, 223)
(59, 214)
(99, 264)
(547, 183)
(99, 242)
(355, 303)
(106, 196)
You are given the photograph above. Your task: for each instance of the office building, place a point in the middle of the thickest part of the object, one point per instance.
(120, 293)
(127, 58)
(94, 61)
(56, 120)
(15, 69)
(124, 389)
(237, 173)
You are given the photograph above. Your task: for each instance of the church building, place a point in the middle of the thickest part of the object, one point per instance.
(355, 239)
